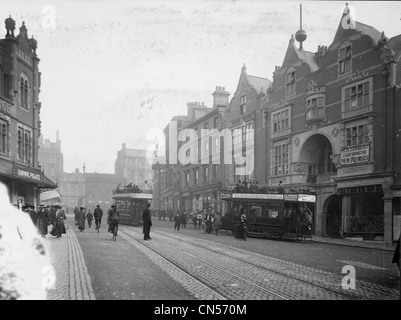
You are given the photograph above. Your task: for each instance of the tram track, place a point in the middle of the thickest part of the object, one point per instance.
(320, 278)
(222, 294)
(260, 283)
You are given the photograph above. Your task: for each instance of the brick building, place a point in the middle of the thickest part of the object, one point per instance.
(331, 128)
(132, 164)
(99, 188)
(20, 108)
(51, 158)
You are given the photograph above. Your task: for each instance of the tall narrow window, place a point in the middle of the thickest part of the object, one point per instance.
(24, 86)
(27, 146)
(20, 145)
(281, 159)
(3, 136)
(345, 59)
(242, 104)
(290, 83)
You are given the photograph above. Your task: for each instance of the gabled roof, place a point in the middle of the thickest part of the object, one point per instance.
(293, 55)
(260, 84)
(358, 28)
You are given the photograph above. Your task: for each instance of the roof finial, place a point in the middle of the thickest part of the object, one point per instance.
(300, 35)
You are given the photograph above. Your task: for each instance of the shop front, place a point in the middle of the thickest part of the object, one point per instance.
(24, 183)
(363, 212)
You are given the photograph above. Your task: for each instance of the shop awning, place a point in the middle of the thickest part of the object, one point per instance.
(49, 195)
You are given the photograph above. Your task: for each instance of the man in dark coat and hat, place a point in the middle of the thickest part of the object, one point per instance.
(43, 221)
(147, 222)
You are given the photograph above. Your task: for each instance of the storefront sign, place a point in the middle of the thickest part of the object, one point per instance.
(29, 175)
(306, 198)
(290, 197)
(355, 155)
(7, 108)
(269, 196)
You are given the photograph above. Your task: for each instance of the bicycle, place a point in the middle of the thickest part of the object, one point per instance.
(114, 229)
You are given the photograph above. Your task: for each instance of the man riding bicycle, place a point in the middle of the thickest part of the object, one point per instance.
(112, 218)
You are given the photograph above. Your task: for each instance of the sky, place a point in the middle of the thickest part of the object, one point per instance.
(117, 71)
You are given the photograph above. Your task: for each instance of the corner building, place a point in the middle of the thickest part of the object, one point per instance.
(332, 128)
(20, 117)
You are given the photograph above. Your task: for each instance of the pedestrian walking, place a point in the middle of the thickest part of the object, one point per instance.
(52, 214)
(58, 226)
(89, 217)
(80, 219)
(177, 221)
(183, 220)
(147, 222)
(240, 233)
(194, 220)
(43, 221)
(208, 222)
(199, 219)
(34, 216)
(217, 223)
(76, 213)
(98, 214)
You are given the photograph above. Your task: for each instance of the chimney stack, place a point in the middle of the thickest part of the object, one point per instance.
(220, 97)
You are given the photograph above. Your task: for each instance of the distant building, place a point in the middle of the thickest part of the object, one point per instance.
(133, 165)
(20, 117)
(51, 158)
(72, 190)
(99, 188)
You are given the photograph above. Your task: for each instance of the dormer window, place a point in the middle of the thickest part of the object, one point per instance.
(290, 83)
(242, 104)
(344, 60)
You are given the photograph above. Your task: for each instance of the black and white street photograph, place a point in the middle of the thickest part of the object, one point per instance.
(201, 157)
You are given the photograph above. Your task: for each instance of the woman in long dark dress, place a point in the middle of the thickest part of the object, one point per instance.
(80, 219)
(240, 233)
(58, 226)
(43, 221)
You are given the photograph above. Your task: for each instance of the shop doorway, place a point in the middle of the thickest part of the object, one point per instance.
(332, 208)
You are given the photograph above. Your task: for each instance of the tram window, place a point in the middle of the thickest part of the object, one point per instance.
(255, 211)
(271, 212)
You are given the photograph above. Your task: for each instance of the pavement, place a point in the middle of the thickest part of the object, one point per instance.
(378, 245)
(72, 280)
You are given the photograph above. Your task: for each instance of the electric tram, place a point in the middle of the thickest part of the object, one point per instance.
(271, 215)
(131, 203)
